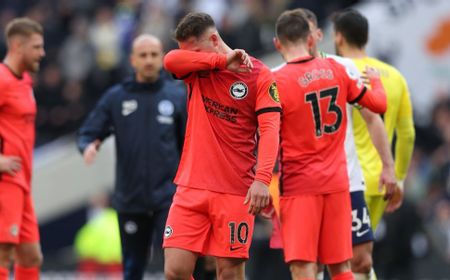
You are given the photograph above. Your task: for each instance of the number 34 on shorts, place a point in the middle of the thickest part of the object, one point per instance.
(361, 222)
(361, 227)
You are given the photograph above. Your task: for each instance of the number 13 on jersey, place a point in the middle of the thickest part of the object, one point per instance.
(314, 98)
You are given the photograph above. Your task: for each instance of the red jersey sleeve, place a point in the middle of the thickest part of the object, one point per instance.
(182, 62)
(267, 98)
(268, 109)
(374, 100)
(269, 127)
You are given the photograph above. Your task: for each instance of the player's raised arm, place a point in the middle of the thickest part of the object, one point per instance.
(374, 99)
(182, 62)
(239, 61)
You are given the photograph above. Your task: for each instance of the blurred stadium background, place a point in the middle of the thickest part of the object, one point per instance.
(87, 45)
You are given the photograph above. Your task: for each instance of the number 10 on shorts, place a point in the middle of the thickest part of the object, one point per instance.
(238, 232)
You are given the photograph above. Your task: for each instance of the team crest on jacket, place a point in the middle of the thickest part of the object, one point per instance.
(238, 90)
(128, 107)
(166, 108)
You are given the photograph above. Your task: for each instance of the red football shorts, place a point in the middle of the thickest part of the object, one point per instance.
(209, 223)
(18, 223)
(317, 227)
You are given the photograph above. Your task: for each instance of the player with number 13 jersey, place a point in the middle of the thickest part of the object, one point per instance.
(314, 184)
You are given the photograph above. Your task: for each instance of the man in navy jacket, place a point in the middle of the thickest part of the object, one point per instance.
(146, 113)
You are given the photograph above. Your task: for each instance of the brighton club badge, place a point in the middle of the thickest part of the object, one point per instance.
(238, 90)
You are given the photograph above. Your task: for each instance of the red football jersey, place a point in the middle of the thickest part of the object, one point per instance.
(223, 108)
(17, 129)
(313, 94)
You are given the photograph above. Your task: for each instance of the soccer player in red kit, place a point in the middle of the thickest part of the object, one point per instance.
(230, 96)
(315, 207)
(19, 235)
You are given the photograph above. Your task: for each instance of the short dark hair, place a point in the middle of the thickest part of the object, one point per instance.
(353, 26)
(292, 26)
(309, 15)
(193, 25)
(22, 26)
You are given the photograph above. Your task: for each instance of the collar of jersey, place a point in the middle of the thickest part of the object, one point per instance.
(302, 59)
(12, 72)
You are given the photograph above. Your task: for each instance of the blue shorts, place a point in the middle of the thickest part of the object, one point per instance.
(361, 229)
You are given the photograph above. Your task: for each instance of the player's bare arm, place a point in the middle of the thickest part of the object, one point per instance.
(380, 141)
(90, 153)
(10, 164)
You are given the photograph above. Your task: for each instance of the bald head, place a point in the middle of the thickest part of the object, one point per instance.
(146, 40)
(146, 57)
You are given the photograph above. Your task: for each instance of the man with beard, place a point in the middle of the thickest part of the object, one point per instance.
(351, 33)
(19, 234)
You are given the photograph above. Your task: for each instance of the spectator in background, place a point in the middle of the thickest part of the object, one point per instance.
(439, 229)
(155, 20)
(50, 84)
(147, 116)
(438, 221)
(441, 157)
(97, 243)
(105, 39)
(394, 252)
(76, 55)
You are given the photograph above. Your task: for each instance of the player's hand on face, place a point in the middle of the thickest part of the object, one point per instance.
(396, 200)
(90, 153)
(389, 181)
(257, 198)
(10, 164)
(239, 61)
